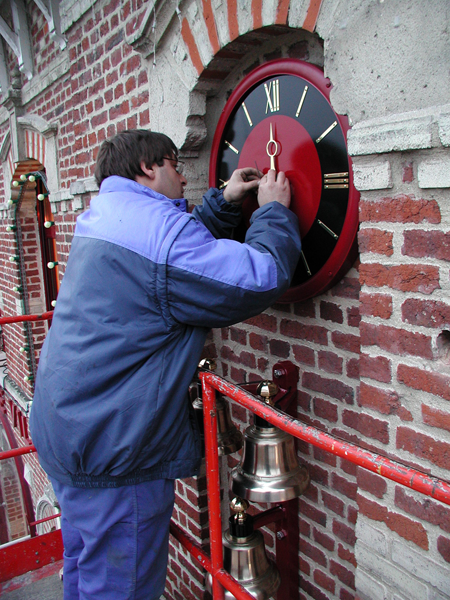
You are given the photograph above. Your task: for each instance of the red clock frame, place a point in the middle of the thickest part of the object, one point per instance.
(345, 251)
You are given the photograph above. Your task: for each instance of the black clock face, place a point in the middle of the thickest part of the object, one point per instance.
(285, 121)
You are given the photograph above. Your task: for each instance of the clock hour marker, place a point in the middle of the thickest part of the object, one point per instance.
(333, 181)
(326, 132)
(273, 96)
(231, 147)
(302, 99)
(308, 270)
(247, 114)
(327, 229)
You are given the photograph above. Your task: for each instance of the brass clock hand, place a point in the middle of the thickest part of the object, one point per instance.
(272, 156)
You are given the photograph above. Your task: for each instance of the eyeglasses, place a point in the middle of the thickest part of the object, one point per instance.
(179, 164)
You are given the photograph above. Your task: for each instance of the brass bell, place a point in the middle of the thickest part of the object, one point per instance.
(229, 438)
(244, 556)
(269, 470)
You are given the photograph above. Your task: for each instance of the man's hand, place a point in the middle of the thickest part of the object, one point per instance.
(274, 187)
(240, 184)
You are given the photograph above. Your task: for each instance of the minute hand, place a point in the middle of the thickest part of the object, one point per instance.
(268, 146)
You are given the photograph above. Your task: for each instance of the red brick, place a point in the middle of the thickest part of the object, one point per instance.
(310, 512)
(408, 529)
(345, 487)
(258, 342)
(387, 402)
(426, 313)
(264, 321)
(346, 555)
(426, 381)
(330, 362)
(353, 316)
(279, 348)
(313, 553)
(372, 483)
(331, 312)
(396, 341)
(443, 546)
(305, 309)
(406, 278)
(367, 425)
(402, 209)
(427, 244)
(407, 173)
(323, 539)
(353, 368)
(435, 418)
(238, 335)
(329, 387)
(325, 582)
(424, 446)
(304, 355)
(377, 241)
(343, 574)
(347, 287)
(376, 367)
(325, 410)
(346, 341)
(312, 590)
(423, 508)
(311, 333)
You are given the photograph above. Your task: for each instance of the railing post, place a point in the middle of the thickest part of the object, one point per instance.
(213, 483)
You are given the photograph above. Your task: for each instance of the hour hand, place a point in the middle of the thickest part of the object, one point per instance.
(269, 147)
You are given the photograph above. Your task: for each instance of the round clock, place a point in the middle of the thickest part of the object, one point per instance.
(280, 117)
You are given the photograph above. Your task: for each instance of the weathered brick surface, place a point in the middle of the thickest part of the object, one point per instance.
(393, 303)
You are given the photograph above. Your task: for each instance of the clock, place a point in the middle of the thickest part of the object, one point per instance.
(280, 116)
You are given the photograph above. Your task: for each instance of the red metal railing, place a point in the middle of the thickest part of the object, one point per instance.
(430, 486)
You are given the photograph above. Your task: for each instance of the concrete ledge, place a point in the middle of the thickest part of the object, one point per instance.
(406, 131)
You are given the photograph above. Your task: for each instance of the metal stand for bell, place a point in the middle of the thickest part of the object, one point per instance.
(244, 556)
(229, 438)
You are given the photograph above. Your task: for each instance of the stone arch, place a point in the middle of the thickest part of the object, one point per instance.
(40, 143)
(216, 39)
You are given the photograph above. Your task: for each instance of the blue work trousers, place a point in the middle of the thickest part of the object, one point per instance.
(116, 540)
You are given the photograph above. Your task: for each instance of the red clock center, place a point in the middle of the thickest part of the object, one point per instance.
(294, 153)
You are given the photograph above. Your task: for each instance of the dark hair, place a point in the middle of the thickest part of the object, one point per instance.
(123, 154)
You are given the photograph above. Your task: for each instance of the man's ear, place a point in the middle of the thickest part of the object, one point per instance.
(147, 171)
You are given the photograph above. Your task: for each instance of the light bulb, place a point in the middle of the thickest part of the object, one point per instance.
(52, 265)
(53, 303)
(31, 178)
(23, 177)
(48, 224)
(15, 183)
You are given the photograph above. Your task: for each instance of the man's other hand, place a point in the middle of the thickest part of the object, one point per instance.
(240, 184)
(274, 187)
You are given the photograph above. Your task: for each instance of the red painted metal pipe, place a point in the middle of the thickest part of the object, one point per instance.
(430, 486)
(205, 562)
(17, 452)
(45, 519)
(20, 318)
(213, 487)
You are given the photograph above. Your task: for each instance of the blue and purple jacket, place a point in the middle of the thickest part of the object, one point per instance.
(144, 283)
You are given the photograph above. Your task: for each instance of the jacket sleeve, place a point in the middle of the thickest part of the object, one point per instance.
(217, 215)
(215, 283)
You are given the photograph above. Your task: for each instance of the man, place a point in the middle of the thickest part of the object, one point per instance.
(144, 282)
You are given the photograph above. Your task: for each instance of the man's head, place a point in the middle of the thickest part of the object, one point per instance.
(147, 157)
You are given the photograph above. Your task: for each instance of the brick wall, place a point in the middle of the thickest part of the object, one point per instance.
(372, 352)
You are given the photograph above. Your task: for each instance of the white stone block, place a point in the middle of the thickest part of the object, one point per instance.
(388, 574)
(444, 129)
(368, 588)
(371, 536)
(386, 135)
(434, 173)
(372, 176)
(422, 567)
